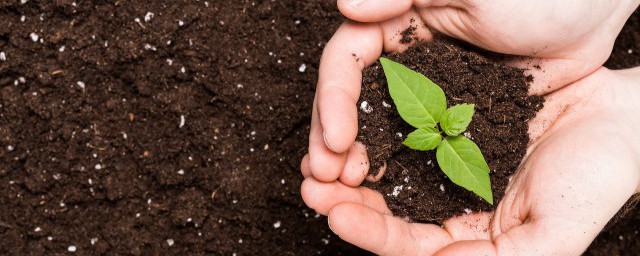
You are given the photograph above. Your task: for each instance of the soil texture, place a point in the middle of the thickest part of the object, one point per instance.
(170, 127)
(159, 127)
(413, 184)
(626, 52)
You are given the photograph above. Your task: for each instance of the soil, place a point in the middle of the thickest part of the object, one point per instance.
(626, 52)
(94, 153)
(414, 185)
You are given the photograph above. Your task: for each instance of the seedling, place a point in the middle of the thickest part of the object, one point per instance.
(423, 105)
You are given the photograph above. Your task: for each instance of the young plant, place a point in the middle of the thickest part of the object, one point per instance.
(423, 105)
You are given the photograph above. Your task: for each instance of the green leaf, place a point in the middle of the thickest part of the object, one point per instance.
(423, 139)
(461, 160)
(420, 101)
(456, 119)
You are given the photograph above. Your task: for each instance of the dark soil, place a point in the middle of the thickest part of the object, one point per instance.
(413, 185)
(626, 52)
(111, 161)
(233, 195)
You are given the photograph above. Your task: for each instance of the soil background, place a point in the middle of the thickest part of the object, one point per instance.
(116, 141)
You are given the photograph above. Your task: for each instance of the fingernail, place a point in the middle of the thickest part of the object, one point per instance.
(326, 142)
(355, 3)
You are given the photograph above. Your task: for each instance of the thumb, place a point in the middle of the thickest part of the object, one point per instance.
(381, 10)
(373, 10)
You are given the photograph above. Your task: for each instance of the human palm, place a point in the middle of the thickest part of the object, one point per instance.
(581, 167)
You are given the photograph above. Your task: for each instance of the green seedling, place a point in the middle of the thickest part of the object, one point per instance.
(423, 105)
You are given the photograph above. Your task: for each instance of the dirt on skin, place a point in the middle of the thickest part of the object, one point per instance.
(413, 184)
(83, 169)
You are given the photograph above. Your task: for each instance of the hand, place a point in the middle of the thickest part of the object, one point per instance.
(567, 40)
(578, 172)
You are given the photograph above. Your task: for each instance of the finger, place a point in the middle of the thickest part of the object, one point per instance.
(353, 47)
(356, 166)
(324, 164)
(472, 226)
(550, 75)
(384, 234)
(378, 176)
(304, 166)
(380, 10)
(393, 29)
(322, 196)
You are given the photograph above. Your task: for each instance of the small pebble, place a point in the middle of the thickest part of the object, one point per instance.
(170, 242)
(98, 166)
(396, 190)
(3, 56)
(148, 16)
(467, 210)
(150, 47)
(302, 68)
(71, 248)
(365, 107)
(277, 224)
(182, 121)
(34, 37)
(81, 84)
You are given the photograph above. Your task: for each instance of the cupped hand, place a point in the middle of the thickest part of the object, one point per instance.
(563, 41)
(581, 167)
(568, 39)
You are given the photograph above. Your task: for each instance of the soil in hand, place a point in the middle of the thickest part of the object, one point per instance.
(413, 184)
